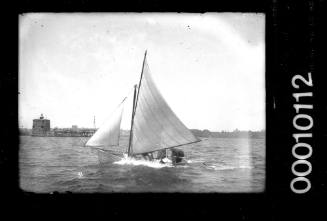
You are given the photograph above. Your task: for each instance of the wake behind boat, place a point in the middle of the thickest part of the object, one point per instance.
(155, 131)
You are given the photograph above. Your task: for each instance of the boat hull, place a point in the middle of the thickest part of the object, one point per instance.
(105, 156)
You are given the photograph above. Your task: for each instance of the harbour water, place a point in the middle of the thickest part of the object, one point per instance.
(48, 164)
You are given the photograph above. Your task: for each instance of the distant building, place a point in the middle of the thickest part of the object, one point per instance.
(41, 127)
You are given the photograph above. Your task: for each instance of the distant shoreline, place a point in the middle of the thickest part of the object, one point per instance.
(199, 133)
(225, 134)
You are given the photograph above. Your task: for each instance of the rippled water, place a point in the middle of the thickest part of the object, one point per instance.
(50, 164)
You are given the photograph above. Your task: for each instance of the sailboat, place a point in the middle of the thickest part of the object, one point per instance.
(154, 126)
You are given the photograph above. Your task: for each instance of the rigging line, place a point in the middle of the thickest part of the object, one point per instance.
(135, 105)
(119, 104)
(130, 91)
(124, 99)
(132, 123)
(138, 91)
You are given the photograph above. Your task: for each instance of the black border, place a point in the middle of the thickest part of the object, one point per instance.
(293, 35)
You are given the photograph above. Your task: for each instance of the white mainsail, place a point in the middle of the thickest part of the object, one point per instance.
(155, 125)
(108, 134)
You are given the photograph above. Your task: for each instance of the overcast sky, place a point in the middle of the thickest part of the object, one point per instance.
(209, 67)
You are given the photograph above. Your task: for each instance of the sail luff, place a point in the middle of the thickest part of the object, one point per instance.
(140, 82)
(135, 106)
(132, 123)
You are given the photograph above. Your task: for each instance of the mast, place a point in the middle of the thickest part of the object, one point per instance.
(138, 91)
(135, 99)
(132, 122)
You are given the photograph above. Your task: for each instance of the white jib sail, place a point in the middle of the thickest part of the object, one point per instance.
(108, 134)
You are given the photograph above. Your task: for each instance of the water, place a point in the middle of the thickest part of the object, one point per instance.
(61, 164)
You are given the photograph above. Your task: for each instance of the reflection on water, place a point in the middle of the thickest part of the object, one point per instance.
(50, 164)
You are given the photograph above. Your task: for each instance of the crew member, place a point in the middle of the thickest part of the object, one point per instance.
(147, 156)
(176, 155)
(161, 155)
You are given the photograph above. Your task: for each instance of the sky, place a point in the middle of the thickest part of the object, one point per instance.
(209, 67)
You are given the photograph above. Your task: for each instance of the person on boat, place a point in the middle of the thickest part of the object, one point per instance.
(177, 155)
(147, 156)
(161, 154)
(144, 156)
